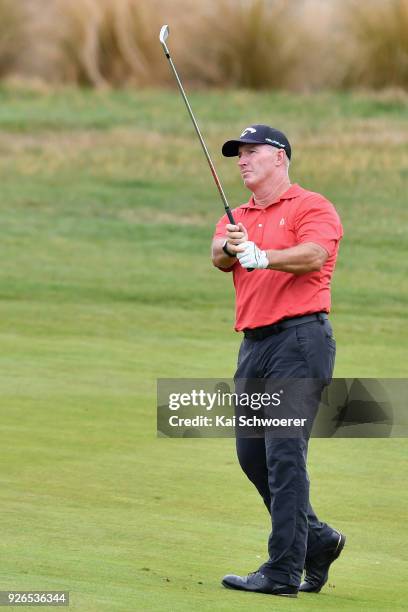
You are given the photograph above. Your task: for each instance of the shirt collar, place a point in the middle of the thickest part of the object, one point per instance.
(291, 193)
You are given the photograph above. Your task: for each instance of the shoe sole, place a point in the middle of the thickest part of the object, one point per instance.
(336, 554)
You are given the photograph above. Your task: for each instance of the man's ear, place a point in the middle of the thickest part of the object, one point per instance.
(280, 157)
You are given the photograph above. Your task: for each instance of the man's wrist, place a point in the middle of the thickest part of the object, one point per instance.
(264, 262)
(226, 251)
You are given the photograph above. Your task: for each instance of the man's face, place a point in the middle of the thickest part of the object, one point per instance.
(259, 164)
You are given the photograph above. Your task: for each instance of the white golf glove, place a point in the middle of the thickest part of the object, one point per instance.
(252, 256)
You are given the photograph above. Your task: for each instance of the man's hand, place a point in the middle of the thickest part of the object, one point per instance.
(250, 256)
(236, 235)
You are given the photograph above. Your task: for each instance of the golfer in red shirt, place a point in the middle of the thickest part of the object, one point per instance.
(289, 237)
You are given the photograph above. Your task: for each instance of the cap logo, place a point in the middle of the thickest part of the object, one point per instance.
(275, 142)
(248, 130)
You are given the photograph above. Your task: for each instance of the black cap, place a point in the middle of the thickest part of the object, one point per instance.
(258, 134)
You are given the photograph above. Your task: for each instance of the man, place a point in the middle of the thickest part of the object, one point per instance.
(290, 238)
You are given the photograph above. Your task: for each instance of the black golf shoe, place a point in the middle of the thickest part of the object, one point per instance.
(317, 568)
(258, 583)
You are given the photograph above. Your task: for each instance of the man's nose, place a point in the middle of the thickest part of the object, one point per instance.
(241, 161)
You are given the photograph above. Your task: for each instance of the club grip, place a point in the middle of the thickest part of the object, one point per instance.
(232, 220)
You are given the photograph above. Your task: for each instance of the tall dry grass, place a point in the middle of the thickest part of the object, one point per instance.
(247, 44)
(259, 44)
(98, 43)
(12, 35)
(105, 42)
(378, 31)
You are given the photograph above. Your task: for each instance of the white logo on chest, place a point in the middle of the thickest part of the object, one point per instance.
(282, 221)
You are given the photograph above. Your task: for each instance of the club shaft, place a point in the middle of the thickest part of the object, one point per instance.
(203, 145)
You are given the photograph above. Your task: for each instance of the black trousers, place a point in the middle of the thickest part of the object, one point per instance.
(276, 465)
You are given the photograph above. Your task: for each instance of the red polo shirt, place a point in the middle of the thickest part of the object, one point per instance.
(264, 297)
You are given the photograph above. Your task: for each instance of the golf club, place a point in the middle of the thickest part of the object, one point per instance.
(164, 32)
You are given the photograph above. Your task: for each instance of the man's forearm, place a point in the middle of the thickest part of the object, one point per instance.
(303, 258)
(219, 258)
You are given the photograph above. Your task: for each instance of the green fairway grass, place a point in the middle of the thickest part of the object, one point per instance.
(107, 212)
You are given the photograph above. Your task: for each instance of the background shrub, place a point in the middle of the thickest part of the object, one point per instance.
(296, 45)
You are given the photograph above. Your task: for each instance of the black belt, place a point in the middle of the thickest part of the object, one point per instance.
(259, 333)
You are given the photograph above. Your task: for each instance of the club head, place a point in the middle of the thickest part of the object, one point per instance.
(164, 32)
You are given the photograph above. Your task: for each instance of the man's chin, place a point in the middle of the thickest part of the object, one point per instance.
(249, 183)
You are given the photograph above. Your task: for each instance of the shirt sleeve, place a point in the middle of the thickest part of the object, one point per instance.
(317, 221)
